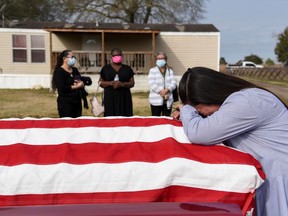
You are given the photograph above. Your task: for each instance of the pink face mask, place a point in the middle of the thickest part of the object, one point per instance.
(117, 59)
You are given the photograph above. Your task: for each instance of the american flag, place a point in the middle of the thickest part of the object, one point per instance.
(117, 160)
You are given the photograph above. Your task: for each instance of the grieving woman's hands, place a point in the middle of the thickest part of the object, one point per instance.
(176, 112)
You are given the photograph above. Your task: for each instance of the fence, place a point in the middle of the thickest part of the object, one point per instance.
(23, 81)
(91, 61)
(270, 73)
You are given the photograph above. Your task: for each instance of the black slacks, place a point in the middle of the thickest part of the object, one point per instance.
(160, 110)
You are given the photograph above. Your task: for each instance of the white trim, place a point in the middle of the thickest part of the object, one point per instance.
(17, 30)
(22, 81)
(219, 53)
(26, 75)
(190, 33)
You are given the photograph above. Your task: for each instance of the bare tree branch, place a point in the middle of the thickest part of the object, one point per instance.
(132, 11)
(141, 11)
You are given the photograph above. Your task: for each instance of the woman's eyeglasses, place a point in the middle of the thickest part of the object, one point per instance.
(71, 57)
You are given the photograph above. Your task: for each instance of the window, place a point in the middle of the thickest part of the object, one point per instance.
(37, 48)
(19, 48)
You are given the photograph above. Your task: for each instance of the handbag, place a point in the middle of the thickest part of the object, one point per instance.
(97, 106)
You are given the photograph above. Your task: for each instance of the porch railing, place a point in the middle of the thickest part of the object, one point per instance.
(91, 61)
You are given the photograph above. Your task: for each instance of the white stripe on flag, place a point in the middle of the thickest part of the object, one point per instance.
(130, 176)
(55, 136)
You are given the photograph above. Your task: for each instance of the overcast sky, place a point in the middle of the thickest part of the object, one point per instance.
(247, 26)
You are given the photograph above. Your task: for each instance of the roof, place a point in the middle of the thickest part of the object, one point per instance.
(98, 26)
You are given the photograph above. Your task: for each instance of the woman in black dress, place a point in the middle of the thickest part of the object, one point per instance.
(117, 79)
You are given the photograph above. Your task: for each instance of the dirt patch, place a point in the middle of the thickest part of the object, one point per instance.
(280, 91)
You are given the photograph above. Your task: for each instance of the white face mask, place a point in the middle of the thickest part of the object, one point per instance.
(71, 61)
(160, 63)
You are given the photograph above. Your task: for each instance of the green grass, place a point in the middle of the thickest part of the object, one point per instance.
(274, 82)
(20, 103)
(280, 88)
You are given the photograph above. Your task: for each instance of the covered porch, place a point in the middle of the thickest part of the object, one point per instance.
(92, 47)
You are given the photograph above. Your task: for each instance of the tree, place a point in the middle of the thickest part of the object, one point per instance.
(223, 60)
(281, 49)
(131, 11)
(253, 58)
(269, 62)
(138, 11)
(39, 10)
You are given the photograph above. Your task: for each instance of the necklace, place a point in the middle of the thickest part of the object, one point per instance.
(163, 72)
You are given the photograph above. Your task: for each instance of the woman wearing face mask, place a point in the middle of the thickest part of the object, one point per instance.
(117, 79)
(66, 80)
(162, 82)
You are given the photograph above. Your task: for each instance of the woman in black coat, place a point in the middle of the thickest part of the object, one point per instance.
(67, 81)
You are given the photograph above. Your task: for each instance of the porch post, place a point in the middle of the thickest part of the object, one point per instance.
(50, 48)
(153, 50)
(103, 49)
(51, 58)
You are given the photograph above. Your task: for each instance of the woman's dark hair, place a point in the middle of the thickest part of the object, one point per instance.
(59, 63)
(207, 86)
(116, 50)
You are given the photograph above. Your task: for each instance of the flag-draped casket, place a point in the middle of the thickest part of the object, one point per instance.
(117, 160)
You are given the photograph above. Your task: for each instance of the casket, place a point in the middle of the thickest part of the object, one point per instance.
(120, 160)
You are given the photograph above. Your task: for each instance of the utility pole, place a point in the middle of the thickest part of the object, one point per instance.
(2, 12)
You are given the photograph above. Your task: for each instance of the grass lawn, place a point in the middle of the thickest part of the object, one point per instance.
(20, 103)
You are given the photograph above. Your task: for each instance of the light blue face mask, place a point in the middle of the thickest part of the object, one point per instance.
(161, 62)
(71, 61)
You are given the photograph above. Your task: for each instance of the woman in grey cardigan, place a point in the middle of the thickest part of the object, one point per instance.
(162, 83)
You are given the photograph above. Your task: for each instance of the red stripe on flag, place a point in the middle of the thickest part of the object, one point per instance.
(86, 153)
(169, 194)
(82, 122)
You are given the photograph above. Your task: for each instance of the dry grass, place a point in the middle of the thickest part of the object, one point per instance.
(20, 103)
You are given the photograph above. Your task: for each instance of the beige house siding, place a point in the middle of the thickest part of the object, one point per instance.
(62, 41)
(91, 42)
(7, 66)
(129, 42)
(186, 50)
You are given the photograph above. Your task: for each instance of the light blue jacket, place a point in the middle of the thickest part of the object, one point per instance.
(255, 121)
